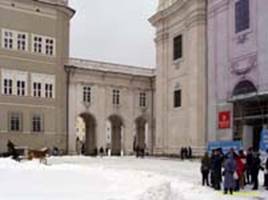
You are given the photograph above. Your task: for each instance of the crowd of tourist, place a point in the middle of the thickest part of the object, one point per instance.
(233, 170)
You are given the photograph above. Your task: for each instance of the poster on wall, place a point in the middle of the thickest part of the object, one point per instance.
(264, 140)
(224, 120)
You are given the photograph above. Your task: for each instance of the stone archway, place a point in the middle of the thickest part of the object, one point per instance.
(116, 134)
(90, 133)
(141, 133)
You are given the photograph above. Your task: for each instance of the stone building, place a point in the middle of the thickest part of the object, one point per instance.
(115, 102)
(34, 47)
(180, 100)
(238, 82)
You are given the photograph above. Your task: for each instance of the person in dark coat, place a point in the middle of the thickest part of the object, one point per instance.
(101, 152)
(256, 166)
(190, 152)
(249, 159)
(229, 170)
(216, 168)
(182, 153)
(205, 167)
(11, 150)
(266, 172)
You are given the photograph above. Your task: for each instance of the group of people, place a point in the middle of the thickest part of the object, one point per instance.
(238, 169)
(186, 153)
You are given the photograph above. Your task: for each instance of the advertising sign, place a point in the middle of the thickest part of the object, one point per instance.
(225, 146)
(224, 120)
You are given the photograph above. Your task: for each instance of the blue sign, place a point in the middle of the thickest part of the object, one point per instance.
(264, 140)
(225, 146)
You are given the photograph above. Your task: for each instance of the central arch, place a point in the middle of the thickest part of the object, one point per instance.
(90, 134)
(116, 134)
(141, 133)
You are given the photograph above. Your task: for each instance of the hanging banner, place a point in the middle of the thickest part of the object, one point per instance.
(225, 146)
(264, 140)
(224, 120)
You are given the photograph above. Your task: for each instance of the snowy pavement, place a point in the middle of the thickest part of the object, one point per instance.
(113, 178)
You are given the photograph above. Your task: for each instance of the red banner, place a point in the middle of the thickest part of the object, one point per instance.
(224, 120)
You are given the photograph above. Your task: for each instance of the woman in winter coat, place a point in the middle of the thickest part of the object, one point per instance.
(205, 167)
(229, 170)
(240, 169)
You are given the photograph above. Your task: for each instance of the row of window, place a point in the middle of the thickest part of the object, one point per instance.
(242, 23)
(115, 99)
(20, 89)
(14, 40)
(15, 122)
(15, 83)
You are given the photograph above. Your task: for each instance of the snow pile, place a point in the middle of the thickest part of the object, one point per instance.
(31, 180)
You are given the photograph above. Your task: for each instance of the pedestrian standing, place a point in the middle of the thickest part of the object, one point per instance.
(256, 165)
(229, 170)
(205, 167)
(217, 170)
(249, 158)
(266, 171)
(190, 152)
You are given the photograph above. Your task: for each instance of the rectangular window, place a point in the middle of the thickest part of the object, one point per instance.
(37, 89)
(87, 94)
(8, 39)
(116, 97)
(21, 88)
(49, 47)
(177, 47)
(15, 122)
(37, 44)
(7, 86)
(37, 123)
(177, 98)
(48, 90)
(21, 41)
(142, 99)
(242, 15)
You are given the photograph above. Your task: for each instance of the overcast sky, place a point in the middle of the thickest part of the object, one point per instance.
(114, 31)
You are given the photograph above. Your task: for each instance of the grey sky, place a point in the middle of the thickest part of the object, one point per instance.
(113, 31)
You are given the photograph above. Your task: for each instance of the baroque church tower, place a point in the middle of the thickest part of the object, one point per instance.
(181, 75)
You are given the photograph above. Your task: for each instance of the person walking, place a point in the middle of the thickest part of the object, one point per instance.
(205, 167)
(229, 170)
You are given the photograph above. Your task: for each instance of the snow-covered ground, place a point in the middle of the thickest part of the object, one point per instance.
(113, 178)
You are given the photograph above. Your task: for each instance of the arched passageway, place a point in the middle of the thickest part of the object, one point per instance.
(116, 134)
(87, 136)
(141, 134)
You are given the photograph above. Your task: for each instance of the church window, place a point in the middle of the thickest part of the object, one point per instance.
(177, 47)
(242, 15)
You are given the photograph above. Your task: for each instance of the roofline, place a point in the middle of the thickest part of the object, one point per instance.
(113, 63)
(68, 9)
(69, 68)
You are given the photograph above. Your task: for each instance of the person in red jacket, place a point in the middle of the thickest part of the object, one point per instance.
(240, 169)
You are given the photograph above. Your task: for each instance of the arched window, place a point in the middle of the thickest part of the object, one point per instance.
(244, 87)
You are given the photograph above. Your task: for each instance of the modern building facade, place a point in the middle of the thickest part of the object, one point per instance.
(238, 82)
(34, 47)
(180, 100)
